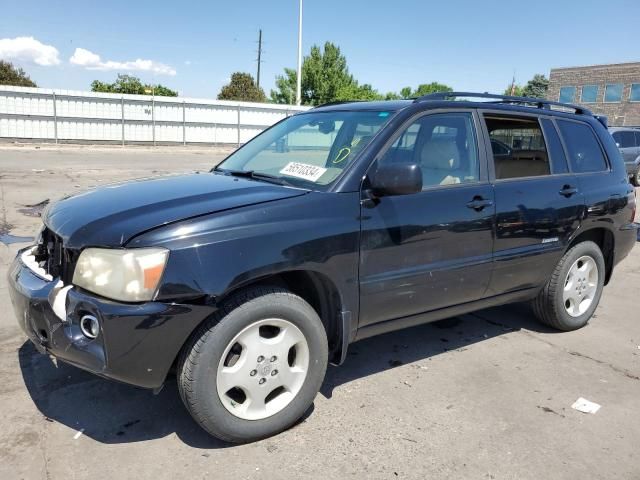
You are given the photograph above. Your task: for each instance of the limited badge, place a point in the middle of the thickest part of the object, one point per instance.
(303, 170)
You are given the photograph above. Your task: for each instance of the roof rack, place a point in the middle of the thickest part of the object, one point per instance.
(537, 102)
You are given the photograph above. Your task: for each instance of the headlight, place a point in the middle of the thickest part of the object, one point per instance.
(128, 275)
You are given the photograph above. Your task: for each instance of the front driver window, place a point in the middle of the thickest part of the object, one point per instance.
(443, 145)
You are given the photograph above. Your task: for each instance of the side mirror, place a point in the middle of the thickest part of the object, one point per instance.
(396, 179)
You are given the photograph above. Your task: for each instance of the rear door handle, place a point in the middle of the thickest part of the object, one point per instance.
(478, 203)
(568, 190)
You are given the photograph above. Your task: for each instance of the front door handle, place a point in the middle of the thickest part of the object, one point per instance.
(568, 190)
(479, 203)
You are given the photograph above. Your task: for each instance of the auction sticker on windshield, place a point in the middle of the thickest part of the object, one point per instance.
(303, 170)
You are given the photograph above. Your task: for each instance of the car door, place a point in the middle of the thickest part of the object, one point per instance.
(538, 202)
(429, 250)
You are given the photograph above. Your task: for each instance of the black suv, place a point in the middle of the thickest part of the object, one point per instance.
(342, 222)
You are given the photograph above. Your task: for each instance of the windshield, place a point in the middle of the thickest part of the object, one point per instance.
(308, 150)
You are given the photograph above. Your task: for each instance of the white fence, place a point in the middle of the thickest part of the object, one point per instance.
(74, 116)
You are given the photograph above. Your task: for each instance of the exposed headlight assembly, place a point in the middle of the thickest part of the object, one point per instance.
(129, 275)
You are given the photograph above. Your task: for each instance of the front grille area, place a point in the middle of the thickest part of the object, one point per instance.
(56, 260)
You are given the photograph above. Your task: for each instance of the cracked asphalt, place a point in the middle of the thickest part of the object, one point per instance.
(485, 395)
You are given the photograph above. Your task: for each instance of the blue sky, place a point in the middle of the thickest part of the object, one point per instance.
(195, 46)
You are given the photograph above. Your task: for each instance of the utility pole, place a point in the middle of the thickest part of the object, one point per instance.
(259, 56)
(299, 82)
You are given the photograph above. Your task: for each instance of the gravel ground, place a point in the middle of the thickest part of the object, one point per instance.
(486, 395)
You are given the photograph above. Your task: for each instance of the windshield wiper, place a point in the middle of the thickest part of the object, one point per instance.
(256, 176)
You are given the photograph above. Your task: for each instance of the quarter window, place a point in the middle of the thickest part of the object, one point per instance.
(522, 140)
(634, 95)
(567, 94)
(589, 93)
(585, 154)
(613, 92)
(443, 145)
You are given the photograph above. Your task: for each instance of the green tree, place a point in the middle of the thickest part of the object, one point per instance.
(433, 87)
(242, 87)
(163, 91)
(536, 87)
(10, 75)
(514, 90)
(285, 91)
(406, 92)
(423, 89)
(325, 78)
(128, 84)
(354, 91)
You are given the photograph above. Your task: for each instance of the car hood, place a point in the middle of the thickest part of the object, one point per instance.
(113, 214)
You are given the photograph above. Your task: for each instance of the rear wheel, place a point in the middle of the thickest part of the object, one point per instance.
(573, 292)
(636, 178)
(254, 370)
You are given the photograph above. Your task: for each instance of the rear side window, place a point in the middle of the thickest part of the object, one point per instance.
(518, 147)
(585, 154)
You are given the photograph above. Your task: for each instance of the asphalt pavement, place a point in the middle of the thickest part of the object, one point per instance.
(482, 396)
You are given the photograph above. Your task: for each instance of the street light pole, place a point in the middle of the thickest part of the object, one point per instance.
(299, 79)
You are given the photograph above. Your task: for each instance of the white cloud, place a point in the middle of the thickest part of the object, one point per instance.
(187, 63)
(92, 61)
(28, 49)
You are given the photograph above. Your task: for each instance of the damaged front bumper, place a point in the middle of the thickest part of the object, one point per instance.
(136, 343)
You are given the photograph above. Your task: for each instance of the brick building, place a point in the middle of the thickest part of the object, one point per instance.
(611, 90)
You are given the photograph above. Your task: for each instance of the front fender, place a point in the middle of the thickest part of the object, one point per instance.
(215, 254)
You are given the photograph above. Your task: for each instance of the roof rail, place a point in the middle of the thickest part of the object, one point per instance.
(538, 102)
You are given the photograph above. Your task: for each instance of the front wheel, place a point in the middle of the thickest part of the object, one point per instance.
(254, 369)
(636, 178)
(573, 292)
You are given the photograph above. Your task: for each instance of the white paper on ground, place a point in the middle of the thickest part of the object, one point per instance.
(585, 406)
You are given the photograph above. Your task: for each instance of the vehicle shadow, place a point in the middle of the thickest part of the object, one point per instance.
(384, 352)
(107, 411)
(113, 413)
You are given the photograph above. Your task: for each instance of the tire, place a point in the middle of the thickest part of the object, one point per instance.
(265, 320)
(564, 307)
(635, 179)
